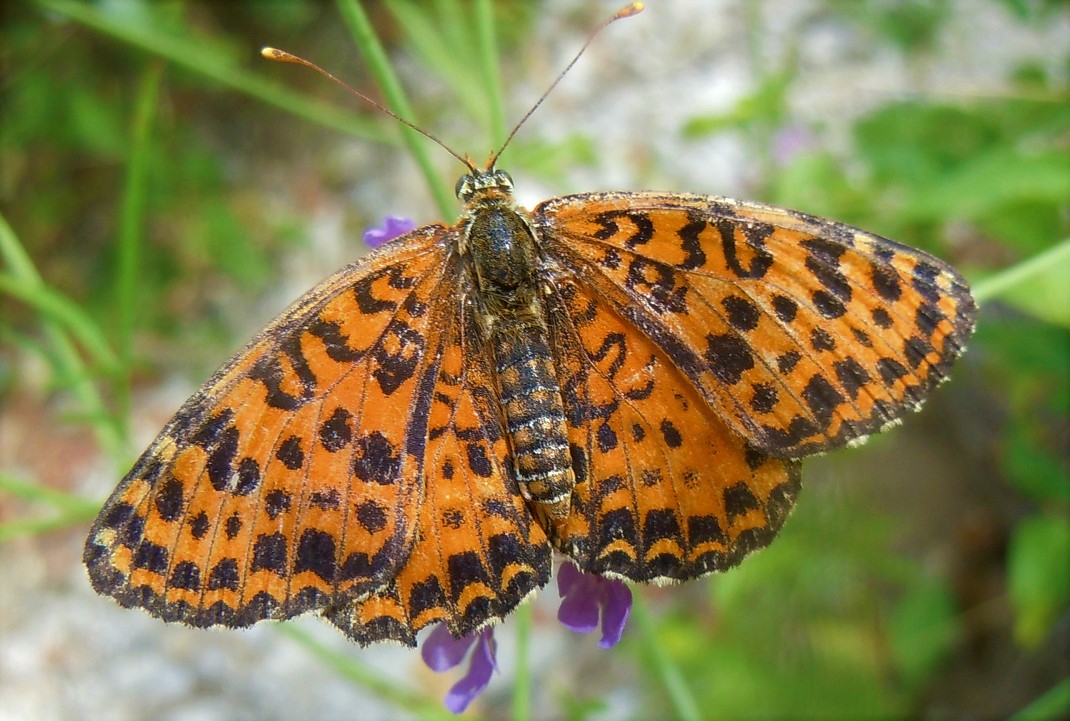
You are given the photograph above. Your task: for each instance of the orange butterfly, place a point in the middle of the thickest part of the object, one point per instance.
(629, 378)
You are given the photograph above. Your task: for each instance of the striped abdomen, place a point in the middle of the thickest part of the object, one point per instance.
(534, 412)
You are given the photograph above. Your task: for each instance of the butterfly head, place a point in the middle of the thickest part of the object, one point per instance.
(488, 182)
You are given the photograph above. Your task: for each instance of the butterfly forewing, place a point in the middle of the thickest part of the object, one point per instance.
(802, 334)
(292, 477)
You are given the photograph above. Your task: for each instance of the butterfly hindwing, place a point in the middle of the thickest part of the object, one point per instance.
(289, 480)
(802, 333)
(479, 551)
(665, 491)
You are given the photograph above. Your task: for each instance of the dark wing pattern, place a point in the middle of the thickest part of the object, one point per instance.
(290, 481)
(353, 457)
(802, 334)
(479, 551)
(665, 491)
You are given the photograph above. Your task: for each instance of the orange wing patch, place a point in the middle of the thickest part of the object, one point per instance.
(664, 490)
(802, 333)
(289, 480)
(479, 551)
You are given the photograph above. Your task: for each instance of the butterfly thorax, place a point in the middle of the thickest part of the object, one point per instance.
(501, 246)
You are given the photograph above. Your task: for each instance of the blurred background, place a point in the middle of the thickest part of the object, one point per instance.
(164, 193)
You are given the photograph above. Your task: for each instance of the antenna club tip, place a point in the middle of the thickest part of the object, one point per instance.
(629, 10)
(275, 54)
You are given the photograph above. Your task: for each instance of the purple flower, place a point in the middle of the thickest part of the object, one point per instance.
(441, 652)
(393, 226)
(790, 141)
(587, 596)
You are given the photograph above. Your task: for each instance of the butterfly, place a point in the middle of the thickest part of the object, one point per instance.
(628, 378)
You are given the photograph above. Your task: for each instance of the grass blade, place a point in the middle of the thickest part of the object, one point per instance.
(365, 38)
(192, 55)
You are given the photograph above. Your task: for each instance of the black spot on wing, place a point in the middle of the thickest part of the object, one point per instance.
(739, 500)
(248, 477)
(754, 235)
(290, 454)
(277, 502)
(785, 308)
(169, 501)
(336, 432)
(316, 553)
(269, 554)
(728, 356)
(669, 432)
(186, 575)
(232, 526)
(224, 575)
(220, 463)
(371, 515)
(376, 459)
(691, 244)
(198, 525)
(397, 356)
(743, 314)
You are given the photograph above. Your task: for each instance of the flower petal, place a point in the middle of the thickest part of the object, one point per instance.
(479, 672)
(441, 651)
(568, 575)
(616, 605)
(579, 609)
(393, 226)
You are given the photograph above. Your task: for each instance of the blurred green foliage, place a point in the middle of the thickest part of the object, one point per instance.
(834, 620)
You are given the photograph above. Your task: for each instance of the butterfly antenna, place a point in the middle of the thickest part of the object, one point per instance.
(625, 12)
(284, 57)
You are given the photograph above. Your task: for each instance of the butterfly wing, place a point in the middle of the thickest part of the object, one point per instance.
(801, 333)
(479, 551)
(291, 479)
(664, 489)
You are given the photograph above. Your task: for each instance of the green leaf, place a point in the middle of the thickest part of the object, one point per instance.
(1039, 286)
(209, 58)
(922, 630)
(1055, 704)
(1039, 583)
(1000, 177)
(1033, 469)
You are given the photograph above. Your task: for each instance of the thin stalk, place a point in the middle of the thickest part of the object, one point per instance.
(365, 38)
(67, 315)
(36, 526)
(68, 363)
(131, 227)
(683, 702)
(1053, 704)
(345, 666)
(521, 620)
(491, 69)
(34, 493)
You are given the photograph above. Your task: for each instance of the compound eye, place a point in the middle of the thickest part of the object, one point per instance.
(503, 179)
(463, 187)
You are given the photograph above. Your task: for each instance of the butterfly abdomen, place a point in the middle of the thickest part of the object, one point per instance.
(534, 412)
